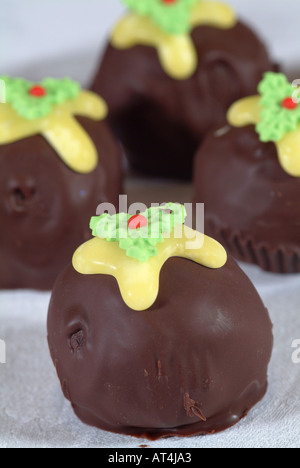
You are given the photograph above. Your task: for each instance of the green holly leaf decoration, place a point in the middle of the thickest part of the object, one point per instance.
(280, 111)
(139, 234)
(34, 101)
(172, 16)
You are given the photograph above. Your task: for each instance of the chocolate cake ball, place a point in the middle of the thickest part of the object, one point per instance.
(191, 361)
(162, 107)
(249, 179)
(50, 186)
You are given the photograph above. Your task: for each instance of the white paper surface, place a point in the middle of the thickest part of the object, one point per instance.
(34, 413)
(64, 37)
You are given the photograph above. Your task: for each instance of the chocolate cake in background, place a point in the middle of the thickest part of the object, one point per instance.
(169, 74)
(248, 176)
(58, 161)
(155, 339)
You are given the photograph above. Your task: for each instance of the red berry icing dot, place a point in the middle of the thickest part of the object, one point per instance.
(289, 103)
(169, 1)
(37, 91)
(137, 222)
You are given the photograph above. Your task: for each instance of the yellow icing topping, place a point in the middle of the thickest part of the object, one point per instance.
(247, 111)
(288, 152)
(60, 129)
(215, 14)
(177, 53)
(139, 282)
(244, 112)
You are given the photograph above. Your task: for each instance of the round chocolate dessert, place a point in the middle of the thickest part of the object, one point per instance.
(249, 179)
(191, 360)
(164, 101)
(52, 179)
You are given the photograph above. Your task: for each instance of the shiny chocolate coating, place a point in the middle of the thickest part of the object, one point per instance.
(45, 207)
(194, 363)
(251, 203)
(160, 120)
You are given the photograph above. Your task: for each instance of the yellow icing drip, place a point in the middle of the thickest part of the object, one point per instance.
(247, 111)
(288, 152)
(215, 14)
(139, 282)
(177, 53)
(60, 129)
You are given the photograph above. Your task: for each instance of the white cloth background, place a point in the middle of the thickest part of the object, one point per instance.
(34, 413)
(64, 37)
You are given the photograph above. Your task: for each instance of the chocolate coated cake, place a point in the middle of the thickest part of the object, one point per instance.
(190, 358)
(54, 171)
(162, 101)
(248, 176)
